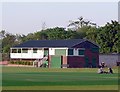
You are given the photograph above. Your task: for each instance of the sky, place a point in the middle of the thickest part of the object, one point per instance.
(28, 17)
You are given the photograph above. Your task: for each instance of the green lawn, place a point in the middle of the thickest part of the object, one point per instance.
(21, 78)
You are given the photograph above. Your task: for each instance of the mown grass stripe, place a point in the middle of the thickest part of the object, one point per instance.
(19, 77)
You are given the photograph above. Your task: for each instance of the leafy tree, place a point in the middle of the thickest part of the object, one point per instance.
(80, 23)
(69, 34)
(56, 33)
(2, 34)
(108, 37)
(7, 42)
(91, 33)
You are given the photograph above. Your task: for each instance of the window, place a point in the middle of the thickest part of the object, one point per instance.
(19, 50)
(14, 50)
(95, 50)
(34, 50)
(60, 51)
(70, 51)
(81, 52)
(45, 52)
(24, 50)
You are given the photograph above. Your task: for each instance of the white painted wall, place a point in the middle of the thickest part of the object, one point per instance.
(76, 52)
(66, 51)
(29, 55)
(51, 51)
(39, 54)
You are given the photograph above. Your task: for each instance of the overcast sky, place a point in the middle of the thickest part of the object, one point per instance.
(28, 17)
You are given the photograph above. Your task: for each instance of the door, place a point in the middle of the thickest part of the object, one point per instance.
(46, 52)
(94, 61)
(56, 62)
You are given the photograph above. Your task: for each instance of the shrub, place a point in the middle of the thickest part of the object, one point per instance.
(22, 62)
(28, 63)
(25, 63)
(11, 62)
(31, 63)
(19, 62)
(15, 62)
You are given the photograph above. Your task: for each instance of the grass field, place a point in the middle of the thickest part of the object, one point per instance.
(24, 78)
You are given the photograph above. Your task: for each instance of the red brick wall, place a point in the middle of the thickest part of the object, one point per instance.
(64, 60)
(75, 61)
(49, 61)
(80, 61)
(91, 55)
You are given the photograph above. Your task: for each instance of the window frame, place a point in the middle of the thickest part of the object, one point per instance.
(14, 50)
(81, 49)
(24, 50)
(19, 51)
(35, 50)
(95, 50)
(72, 51)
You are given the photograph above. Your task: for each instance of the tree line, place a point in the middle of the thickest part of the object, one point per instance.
(107, 36)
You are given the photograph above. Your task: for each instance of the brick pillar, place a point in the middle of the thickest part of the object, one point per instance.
(64, 61)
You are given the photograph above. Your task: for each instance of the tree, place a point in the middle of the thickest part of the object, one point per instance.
(56, 33)
(80, 23)
(108, 37)
(7, 42)
(2, 34)
(91, 33)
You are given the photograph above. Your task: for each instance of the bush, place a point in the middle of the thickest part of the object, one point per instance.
(25, 63)
(31, 63)
(28, 63)
(11, 62)
(19, 62)
(22, 62)
(15, 62)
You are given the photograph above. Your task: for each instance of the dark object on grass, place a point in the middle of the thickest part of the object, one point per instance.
(110, 70)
